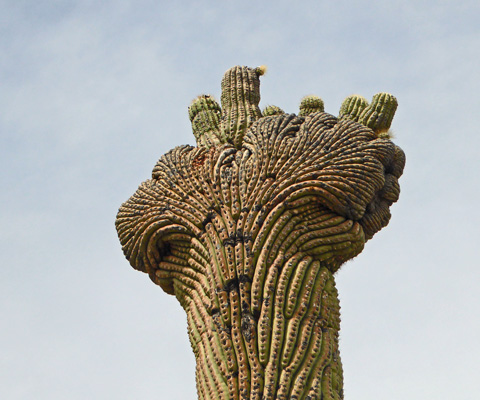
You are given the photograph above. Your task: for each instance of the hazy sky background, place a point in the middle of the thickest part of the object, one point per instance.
(92, 93)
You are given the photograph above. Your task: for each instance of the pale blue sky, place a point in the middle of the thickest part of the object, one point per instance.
(94, 92)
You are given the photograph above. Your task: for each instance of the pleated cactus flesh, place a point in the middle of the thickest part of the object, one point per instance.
(248, 228)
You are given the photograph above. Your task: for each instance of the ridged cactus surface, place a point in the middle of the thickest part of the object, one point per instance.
(248, 228)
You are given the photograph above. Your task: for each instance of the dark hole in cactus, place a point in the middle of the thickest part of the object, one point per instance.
(164, 249)
(231, 285)
(208, 219)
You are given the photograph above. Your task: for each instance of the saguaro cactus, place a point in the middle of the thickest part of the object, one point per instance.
(248, 228)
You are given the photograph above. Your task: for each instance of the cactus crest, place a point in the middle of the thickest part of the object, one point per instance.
(248, 228)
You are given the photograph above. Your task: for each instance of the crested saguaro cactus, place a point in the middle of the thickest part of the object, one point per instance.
(248, 229)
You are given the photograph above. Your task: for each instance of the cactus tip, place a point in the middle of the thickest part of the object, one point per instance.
(261, 70)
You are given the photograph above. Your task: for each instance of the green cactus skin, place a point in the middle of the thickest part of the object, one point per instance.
(240, 98)
(248, 228)
(270, 111)
(352, 107)
(205, 115)
(310, 105)
(377, 116)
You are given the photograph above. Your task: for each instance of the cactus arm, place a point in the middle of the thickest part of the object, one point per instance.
(377, 115)
(240, 98)
(310, 105)
(205, 114)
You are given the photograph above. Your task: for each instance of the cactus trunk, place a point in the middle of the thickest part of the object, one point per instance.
(269, 332)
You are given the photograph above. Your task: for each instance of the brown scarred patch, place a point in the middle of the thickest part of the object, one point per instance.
(199, 159)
